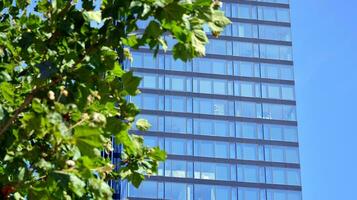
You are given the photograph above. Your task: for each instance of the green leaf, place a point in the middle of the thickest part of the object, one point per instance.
(93, 16)
(87, 139)
(143, 124)
(7, 91)
(136, 179)
(37, 106)
(131, 83)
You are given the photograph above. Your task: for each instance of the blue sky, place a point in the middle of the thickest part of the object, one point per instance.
(325, 54)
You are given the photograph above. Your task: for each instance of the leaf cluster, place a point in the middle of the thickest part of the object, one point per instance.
(64, 93)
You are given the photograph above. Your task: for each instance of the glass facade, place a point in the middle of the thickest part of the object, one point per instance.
(228, 120)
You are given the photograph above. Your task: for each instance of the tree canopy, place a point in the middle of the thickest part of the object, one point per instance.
(64, 93)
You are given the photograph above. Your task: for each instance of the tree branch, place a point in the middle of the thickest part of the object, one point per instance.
(90, 50)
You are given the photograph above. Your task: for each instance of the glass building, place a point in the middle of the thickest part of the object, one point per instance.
(228, 120)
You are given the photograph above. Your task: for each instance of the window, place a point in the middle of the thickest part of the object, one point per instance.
(212, 86)
(274, 33)
(244, 30)
(213, 106)
(178, 168)
(283, 176)
(276, 1)
(220, 47)
(212, 66)
(251, 194)
(247, 69)
(147, 60)
(178, 125)
(147, 189)
(283, 195)
(214, 149)
(151, 81)
(249, 130)
(153, 142)
(245, 49)
(276, 91)
(210, 192)
(248, 109)
(178, 83)
(178, 191)
(280, 133)
(281, 154)
(178, 104)
(273, 14)
(246, 89)
(244, 11)
(269, 51)
(274, 71)
(215, 171)
(177, 65)
(250, 173)
(250, 152)
(213, 127)
(149, 101)
(178, 146)
(279, 112)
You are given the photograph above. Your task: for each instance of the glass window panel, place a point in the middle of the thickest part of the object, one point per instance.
(151, 81)
(178, 146)
(245, 30)
(178, 124)
(247, 69)
(249, 173)
(177, 65)
(247, 89)
(251, 194)
(178, 191)
(287, 93)
(245, 49)
(249, 152)
(147, 189)
(248, 109)
(293, 177)
(249, 130)
(213, 127)
(274, 33)
(244, 11)
(220, 47)
(204, 192)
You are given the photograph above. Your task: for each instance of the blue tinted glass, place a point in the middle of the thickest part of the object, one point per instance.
(178, 191)
(203, 192)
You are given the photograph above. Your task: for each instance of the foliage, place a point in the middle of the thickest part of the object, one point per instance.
(64, 94)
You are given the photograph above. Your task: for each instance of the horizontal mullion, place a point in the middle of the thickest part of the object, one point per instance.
(228, 160)
(215, 138)
(258, 3)
(260, 22)
(224, 183)
(228, 57)
(252, 40)
(218, 76)
(221, 97)
(219, 117)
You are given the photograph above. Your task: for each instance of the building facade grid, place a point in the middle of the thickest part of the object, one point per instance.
(228, 120)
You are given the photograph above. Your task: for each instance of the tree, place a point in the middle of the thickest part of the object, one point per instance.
(64, 93)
